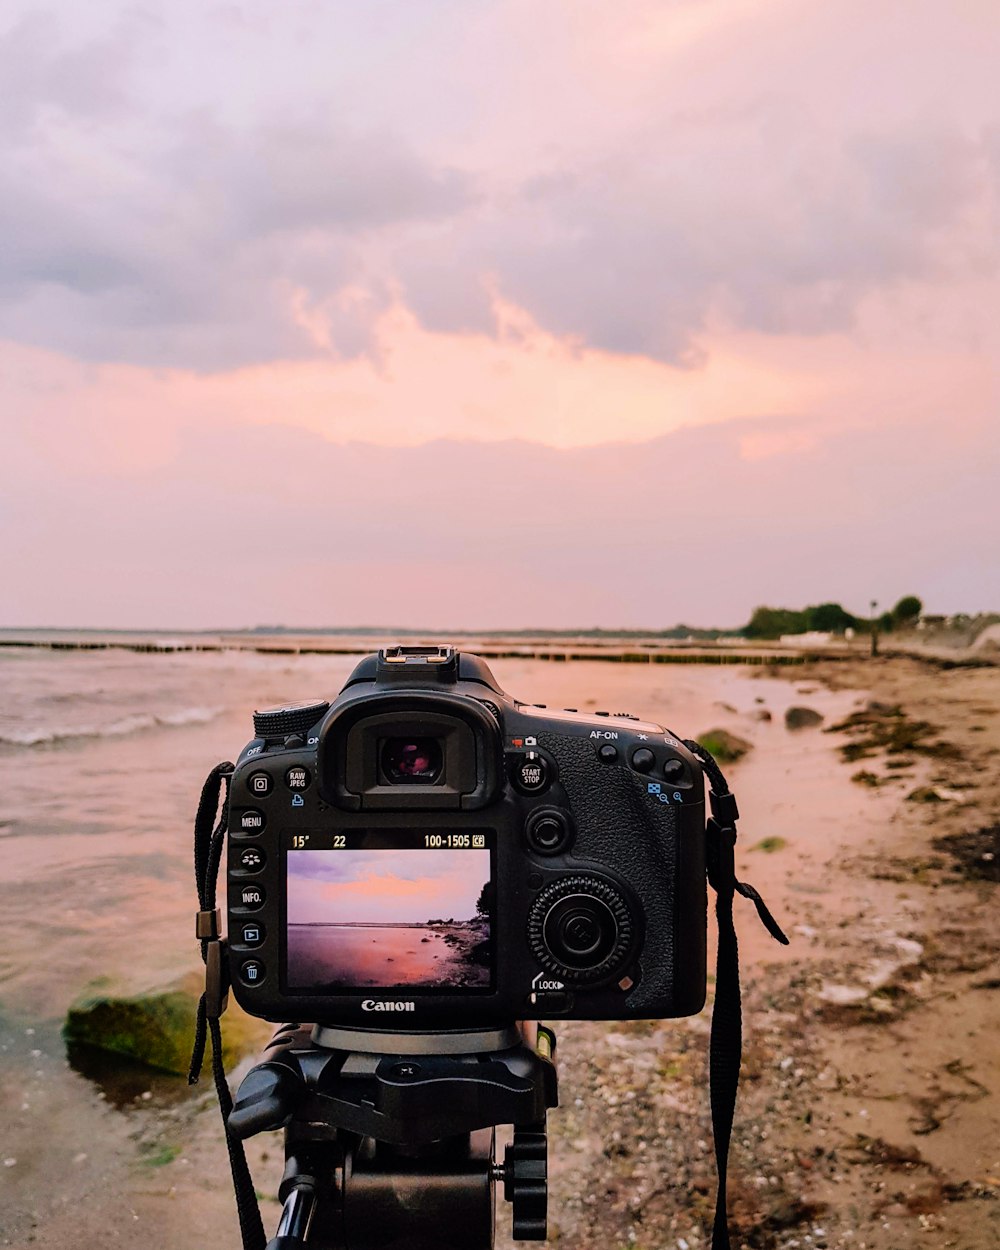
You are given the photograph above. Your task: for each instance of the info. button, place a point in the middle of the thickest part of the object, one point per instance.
(252, 897)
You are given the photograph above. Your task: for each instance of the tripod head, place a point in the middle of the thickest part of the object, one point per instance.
(389, 1138)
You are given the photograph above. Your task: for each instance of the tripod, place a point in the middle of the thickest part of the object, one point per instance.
(390, 1137)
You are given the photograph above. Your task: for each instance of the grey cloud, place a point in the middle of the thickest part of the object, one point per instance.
(633, 253)
(165, 222)
(179, 244)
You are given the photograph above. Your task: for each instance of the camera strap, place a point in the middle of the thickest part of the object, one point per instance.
(726, 1042)
(209, 837)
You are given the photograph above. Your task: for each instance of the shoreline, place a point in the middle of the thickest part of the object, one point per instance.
(497, 647)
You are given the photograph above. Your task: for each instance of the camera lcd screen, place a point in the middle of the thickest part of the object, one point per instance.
(386, 909)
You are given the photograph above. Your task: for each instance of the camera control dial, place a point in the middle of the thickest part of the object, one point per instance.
(289, 718)
(581, 929)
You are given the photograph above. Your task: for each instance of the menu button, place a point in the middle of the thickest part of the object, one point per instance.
(252, 821)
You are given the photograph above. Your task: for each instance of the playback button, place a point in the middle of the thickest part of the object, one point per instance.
(252, 972)
(252, 935)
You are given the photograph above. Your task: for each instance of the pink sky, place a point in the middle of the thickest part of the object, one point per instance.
(398, 886)
(500, 314)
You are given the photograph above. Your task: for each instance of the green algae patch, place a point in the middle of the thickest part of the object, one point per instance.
(768, 845)
(160, 1156)
(725, 746)
(156, 1027)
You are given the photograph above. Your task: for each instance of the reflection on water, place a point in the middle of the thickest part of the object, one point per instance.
(123, 1081)
(349, 956)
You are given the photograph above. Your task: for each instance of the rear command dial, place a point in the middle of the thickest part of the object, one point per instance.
(581, 929)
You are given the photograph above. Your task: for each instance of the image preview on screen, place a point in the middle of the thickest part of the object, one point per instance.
(375, 912)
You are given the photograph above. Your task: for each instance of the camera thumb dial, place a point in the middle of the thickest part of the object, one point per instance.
(289, 718)
(581, 929)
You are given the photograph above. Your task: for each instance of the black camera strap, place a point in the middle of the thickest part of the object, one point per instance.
(209, 837)
(726, 1043)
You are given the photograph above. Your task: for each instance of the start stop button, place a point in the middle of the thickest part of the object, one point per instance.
(532, 773)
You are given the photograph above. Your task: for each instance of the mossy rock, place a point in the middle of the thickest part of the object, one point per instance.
(157, 1027)
(725, 746)
(802, 718)
(925, 794)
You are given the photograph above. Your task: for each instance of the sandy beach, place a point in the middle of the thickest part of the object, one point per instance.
(868, 1116)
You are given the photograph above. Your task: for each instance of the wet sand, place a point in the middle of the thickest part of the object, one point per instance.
(868, 1115)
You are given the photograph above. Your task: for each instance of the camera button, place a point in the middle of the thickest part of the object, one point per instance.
(548, 831)
(297, 778)
(251, 859)
(674, 770)
(531, 773)
(552, 1002)
(252, 972)
(252, 821)
(607, 754)
(252, 897)
(260, 784)
(643, 760)
(252, 935)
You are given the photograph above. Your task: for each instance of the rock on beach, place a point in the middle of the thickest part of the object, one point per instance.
(156, 1027)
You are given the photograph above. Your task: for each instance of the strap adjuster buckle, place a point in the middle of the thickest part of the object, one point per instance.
(206, 925)
(216, 979)
(720, 857)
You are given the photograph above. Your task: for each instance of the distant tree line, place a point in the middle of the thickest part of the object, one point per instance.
(828, 618)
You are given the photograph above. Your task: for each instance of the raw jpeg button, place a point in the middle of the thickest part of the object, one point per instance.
(533, 773)
(297, 778)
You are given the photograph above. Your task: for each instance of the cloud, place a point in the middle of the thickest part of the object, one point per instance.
(213, 188)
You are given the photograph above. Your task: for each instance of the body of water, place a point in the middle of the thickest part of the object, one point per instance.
(354, 955)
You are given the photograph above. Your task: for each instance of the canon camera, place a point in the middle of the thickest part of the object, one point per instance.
(427, 853)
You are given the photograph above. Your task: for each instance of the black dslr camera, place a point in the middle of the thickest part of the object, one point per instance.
(416, 872)
(426, 853)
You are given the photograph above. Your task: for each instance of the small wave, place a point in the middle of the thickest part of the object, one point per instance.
(116, 729)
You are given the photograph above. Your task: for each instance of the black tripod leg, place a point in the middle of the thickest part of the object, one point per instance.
(296, 1217)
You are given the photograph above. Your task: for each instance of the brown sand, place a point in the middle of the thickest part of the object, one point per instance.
(868, 1115)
